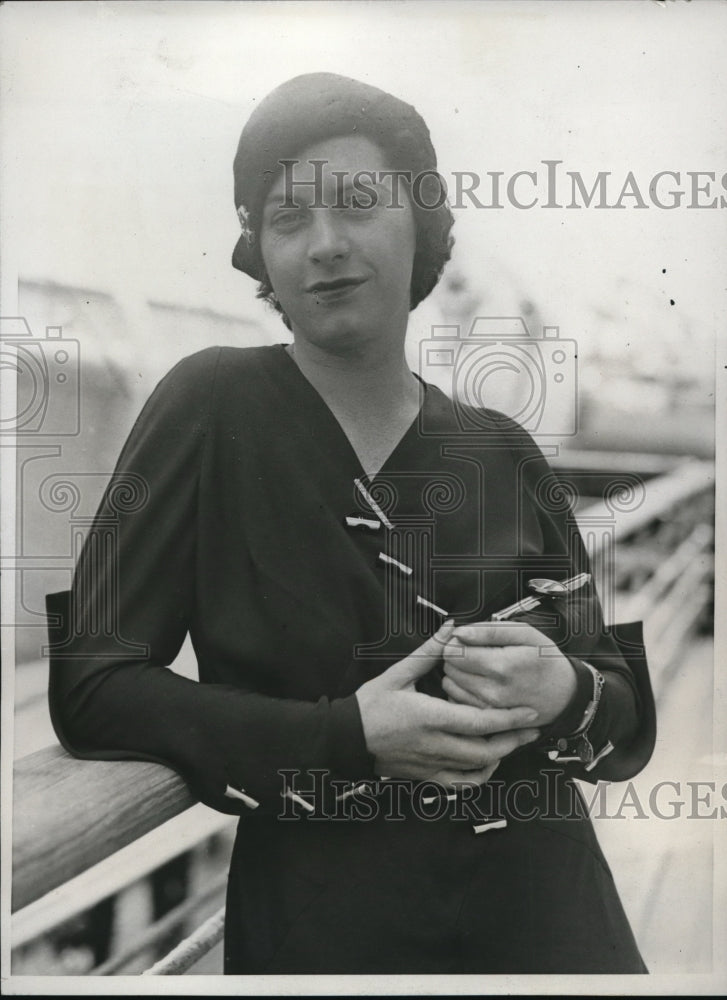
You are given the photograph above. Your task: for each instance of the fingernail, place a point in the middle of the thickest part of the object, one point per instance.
(530, 715)
(444, 631)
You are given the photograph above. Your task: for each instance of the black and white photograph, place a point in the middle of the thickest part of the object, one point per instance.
(364, 372)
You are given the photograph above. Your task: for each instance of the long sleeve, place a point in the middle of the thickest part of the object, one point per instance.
(134, 598)
(625, 719)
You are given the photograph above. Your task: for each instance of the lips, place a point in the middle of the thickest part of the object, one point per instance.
(335, 288)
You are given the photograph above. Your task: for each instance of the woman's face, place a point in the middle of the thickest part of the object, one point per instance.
(341, 273)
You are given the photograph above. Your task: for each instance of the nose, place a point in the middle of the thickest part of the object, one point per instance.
(328, 237)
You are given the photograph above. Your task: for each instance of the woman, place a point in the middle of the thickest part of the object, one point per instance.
(313, 515)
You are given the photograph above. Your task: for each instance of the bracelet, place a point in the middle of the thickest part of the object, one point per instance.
(591, 708)
(576, 746)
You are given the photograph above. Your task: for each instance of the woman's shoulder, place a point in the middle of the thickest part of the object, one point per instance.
(207, 362)
(195, 387)
(215, 372)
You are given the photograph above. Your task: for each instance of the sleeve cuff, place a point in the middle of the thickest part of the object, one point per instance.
(348, 753)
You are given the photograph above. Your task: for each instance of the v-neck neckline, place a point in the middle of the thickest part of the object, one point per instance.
(290, 364)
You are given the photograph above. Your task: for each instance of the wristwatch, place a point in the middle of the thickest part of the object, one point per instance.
(577, 746)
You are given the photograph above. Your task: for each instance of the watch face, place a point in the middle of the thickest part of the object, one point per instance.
(585, 750)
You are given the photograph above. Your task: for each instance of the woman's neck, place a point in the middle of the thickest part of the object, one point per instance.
(359, 383)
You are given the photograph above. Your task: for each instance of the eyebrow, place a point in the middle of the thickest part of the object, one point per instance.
(276, 198)
(275, 202)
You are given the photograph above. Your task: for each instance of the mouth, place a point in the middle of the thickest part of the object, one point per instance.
(337, 288)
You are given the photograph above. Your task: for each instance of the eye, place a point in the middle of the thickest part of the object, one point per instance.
(345, 201)
(287, 219)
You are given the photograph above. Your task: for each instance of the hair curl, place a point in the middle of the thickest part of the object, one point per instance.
(433, 249)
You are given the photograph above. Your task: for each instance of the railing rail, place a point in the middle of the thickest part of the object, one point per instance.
(661, 494)
(100, 805)
(104, 807)
(140, 858)
(161, 928)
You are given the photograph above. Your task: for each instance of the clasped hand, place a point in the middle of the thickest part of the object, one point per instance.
(490, 711)
(501, 664)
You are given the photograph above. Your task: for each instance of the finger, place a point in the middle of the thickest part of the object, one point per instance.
(460, 754)
(485, 689)
(480, 670)
(503, 744)
(421, 661)
(454, 779)
(483, 661)
(500, 634)
(454, 649)
(478, 752)
(465, 720)
(437, 772)
(467, 753)
(459, 695)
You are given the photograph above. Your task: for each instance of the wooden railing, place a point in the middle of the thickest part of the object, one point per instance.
(108, 812)
(100, 805)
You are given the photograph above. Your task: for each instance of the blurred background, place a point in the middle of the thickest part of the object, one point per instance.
(120, 122)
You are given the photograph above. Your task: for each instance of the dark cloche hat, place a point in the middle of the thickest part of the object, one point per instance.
(303, 111)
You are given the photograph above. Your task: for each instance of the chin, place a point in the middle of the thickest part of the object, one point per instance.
(334, 331)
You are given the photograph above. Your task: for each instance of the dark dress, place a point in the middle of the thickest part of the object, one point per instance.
(226, 517)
